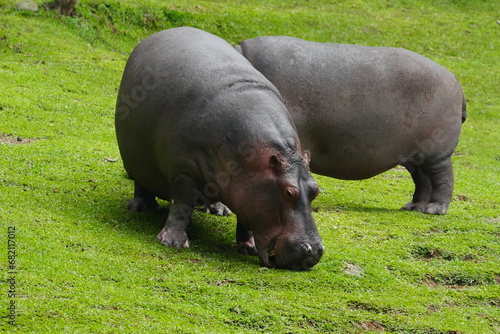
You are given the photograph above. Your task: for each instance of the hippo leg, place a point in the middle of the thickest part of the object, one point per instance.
(218, 209)
(433, 187)
(244, 238)
(423, 189)
(181, 208)
(442, 180)
(143, 200)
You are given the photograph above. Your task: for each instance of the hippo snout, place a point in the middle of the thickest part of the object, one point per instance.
(296, 255)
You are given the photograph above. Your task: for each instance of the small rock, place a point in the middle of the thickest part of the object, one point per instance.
(28, 5)
(353, 269)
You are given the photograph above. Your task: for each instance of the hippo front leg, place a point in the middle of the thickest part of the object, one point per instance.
(245, 240)
(174, 233)
(181, 208)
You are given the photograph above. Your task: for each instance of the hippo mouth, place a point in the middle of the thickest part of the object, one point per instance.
(293, 259)
(271, 256)
(268, 257)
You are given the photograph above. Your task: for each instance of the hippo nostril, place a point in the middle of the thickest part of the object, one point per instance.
(308, 249)
(321, 250)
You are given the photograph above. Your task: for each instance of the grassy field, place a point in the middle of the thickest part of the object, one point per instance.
(84, 264)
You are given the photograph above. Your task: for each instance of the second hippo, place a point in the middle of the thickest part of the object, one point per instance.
(361, 111)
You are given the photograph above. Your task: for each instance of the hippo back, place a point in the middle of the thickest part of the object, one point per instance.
(354, 104)
(182, 118)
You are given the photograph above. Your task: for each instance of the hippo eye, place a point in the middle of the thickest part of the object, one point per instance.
(291, 193)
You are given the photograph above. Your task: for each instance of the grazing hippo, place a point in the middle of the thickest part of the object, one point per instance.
(360, 111)
(196, 123)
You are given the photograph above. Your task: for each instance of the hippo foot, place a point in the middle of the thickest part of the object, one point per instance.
(173, 239)
(433, 208)
(247, 248)
(218, 209)
(140, 204)
(411, 206)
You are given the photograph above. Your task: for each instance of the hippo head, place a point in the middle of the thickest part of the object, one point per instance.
(273, 200)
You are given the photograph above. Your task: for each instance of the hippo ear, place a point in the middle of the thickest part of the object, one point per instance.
(307, 157)
(277, 165)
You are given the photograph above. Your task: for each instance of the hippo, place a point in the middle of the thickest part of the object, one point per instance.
(196, 123)
(361, 111)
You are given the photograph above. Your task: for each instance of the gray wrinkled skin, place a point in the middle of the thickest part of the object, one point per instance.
(361, 111)
(197, 124)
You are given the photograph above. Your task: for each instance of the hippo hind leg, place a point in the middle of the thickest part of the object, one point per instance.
(442, 180)
(245, 240)
(433, 187)
(218, 209)
(143, 200)
(423, 189)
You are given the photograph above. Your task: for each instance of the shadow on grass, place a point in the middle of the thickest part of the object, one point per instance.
(208, 234)
(359, 209)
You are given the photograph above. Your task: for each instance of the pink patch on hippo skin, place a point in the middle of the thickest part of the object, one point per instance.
(247, 247)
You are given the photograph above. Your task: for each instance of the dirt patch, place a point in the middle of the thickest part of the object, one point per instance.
(356, 305)
(430, 282)
(463, 198)
(431, 254)
(433, 308)
(426, 254)
(433, 283)
(10, 139)
(370, 326)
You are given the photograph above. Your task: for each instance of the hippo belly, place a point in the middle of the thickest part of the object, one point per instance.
(361, 111)
(197, 124)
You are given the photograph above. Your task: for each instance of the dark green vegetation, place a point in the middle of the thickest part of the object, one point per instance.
(87, 265)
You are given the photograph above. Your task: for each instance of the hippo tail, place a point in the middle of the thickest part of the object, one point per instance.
(464, 109)
(464, 103)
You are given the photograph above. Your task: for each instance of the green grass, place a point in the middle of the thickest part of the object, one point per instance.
(87, 265)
